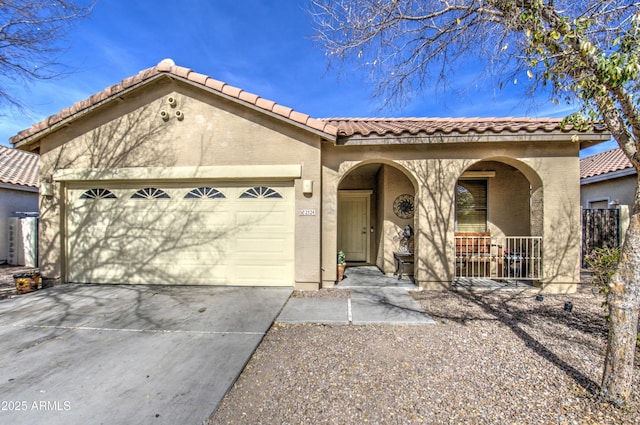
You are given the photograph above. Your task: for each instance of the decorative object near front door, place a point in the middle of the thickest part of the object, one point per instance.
(403, 206)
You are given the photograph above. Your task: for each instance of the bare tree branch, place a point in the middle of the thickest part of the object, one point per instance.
(29, 34)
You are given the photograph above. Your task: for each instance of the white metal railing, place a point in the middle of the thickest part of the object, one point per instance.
(509, 257)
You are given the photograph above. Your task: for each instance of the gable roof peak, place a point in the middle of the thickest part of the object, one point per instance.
(168, 67)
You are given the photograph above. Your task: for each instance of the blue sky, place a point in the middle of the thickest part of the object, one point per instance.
(261, 46)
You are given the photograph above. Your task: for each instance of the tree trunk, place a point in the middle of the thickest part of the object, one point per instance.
(623, 302)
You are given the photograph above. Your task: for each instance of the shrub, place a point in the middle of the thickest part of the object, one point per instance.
(603, 263)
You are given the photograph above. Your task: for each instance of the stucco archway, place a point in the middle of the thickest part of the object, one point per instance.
(498, 221)
(374, 185)
(515, 195)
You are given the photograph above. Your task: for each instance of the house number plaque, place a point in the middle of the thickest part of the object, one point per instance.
(308, 212)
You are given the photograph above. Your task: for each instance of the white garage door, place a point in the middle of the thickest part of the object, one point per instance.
(215, 234)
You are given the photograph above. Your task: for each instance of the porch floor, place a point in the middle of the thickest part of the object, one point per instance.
(372, 277)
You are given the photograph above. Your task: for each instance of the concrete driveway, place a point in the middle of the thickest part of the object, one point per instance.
(93, 354)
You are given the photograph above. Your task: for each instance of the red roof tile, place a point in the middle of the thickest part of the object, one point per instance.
(396, 126)
(603, 163)
(167, 66)
(18, 167)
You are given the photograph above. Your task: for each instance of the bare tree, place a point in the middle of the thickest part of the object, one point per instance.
(29, 34)
(584, 50)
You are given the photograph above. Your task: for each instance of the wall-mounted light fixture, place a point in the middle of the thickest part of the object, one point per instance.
(46, 189)
(172, 101)
(307, 187)
(179, 115)
(164, 115)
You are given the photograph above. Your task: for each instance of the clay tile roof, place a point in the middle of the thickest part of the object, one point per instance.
(603, 163)
(168, 67)
(413, 126)
(18, 167)
(332, 127)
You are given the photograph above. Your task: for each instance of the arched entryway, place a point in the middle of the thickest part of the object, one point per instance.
(376, 202)
(499, 222)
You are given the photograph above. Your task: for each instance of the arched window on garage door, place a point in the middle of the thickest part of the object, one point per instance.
(260, 192)
(204, 192)
(150, 193)
(98, 193)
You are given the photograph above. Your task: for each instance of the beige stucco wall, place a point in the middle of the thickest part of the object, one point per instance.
(620, 190)
(550, 168)
(130, 133)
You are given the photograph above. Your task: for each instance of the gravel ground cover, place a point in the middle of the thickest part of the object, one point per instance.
(492, 358)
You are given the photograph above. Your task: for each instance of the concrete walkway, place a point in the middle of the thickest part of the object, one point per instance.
(373, 299)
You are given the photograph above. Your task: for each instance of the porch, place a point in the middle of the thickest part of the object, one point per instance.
(507, 262)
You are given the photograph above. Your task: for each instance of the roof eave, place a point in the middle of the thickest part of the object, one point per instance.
(608, 176)
(324, 130)
(65, 122)
(471, 137)
(18, 187)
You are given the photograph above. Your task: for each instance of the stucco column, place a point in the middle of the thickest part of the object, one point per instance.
(561, 243)
(50, 249)
(330, 180)
(435, 221)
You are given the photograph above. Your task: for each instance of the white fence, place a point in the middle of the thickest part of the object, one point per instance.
(510, 257)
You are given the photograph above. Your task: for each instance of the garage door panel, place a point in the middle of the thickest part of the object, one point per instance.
(266, 274)
(192, 241)
(266, 219)
(262, 246)
(149, 275)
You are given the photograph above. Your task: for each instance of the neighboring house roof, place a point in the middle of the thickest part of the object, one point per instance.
(18, 167)
(605, 165)
(331, 128)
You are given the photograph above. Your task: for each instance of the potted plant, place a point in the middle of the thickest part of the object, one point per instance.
(27, 281)
(342, 263)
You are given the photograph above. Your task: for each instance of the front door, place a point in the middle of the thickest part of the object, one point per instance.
(353, 224)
